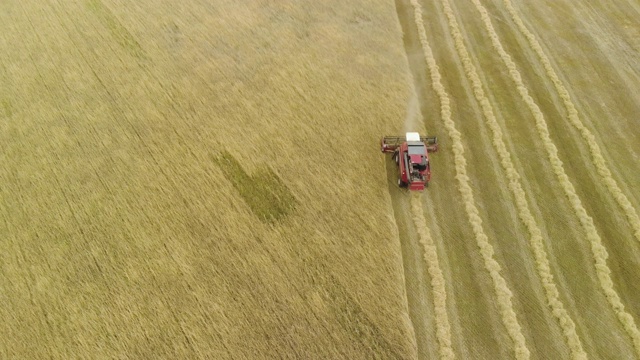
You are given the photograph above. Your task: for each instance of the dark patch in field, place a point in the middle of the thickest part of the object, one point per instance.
(360, 18)
(269, 199)
(173, 36)
(7, 110)
(111, 22)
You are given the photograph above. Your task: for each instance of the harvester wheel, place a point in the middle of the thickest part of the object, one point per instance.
(395, 157)
(401, 183)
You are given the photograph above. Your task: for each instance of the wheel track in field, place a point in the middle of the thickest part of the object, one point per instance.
(598, 249)
(417, 290)
(536, 239)
(596, 153)
(503, 293)
(443, 327)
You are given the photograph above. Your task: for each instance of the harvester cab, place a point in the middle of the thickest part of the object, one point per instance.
(411, 155)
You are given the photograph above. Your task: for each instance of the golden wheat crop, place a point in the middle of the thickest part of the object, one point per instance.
(170, 180)
(203, 180)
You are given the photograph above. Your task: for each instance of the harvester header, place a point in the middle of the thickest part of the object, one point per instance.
(391, 143)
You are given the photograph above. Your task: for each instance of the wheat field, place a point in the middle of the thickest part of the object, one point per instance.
(203, 179)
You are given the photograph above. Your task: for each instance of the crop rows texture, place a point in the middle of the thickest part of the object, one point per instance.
(524, 212)
(503, 294)
(599, 251)
(574, 119)
(443, 328)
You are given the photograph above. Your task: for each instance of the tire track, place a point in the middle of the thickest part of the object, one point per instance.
(503, 294)
(599, 251)
(572, 114)
(443, 328)
(418, 292)
(536, 238)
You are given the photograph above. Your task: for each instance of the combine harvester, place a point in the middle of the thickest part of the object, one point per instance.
(411, 154)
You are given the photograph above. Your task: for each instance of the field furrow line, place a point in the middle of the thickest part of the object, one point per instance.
(536, 238)
(599, 251)
(84, 245)
(66, 195)
(572, 114)
(443, 328)
(503, 293)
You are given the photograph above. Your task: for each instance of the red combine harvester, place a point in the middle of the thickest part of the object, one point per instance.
(411, 154)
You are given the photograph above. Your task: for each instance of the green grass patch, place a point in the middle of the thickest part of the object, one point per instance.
(269, 199)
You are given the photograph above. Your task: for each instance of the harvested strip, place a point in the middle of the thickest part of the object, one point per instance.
(590, 139)
(503, 294)
(524, 211)
(599, 251)
(443, 329)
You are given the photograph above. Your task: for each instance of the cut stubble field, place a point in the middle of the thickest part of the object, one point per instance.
(197, 180)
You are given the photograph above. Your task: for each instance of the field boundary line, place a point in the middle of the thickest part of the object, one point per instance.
(572, 114)
(536, 238)
(598, 249)
(430, 255)
(503, 293)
